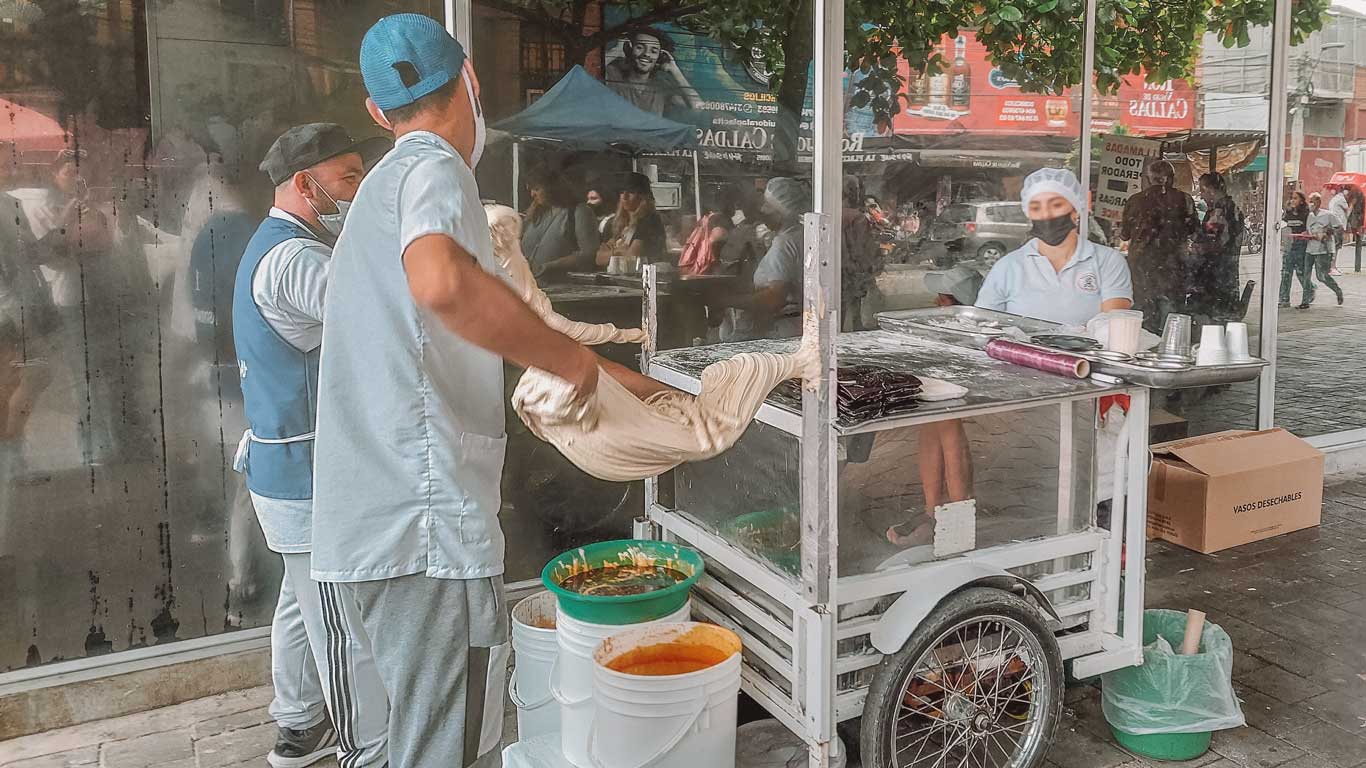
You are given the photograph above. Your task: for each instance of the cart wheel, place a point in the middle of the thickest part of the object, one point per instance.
(979, 683)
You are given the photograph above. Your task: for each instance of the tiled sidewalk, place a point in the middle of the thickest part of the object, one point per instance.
(1295, 607)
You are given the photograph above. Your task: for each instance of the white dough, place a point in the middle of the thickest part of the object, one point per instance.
(633, 439)
(505, 225)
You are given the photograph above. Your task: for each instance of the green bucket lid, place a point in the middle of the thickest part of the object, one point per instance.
(623, 609)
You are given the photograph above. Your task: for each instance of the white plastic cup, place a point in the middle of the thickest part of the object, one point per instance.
(1126, 325)
(1235, 337)
(1213, 348)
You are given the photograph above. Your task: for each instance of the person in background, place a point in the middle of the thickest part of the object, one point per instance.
(637, 230)
(602, 201)
(1158, 223)
(775, 308)
(647, 75)
(860, 254)
(560, 233)
(945, 458)
(410, 442)
(1213, 284)
(1055, 276)
(741, 250)
(1341, 210)
(1320, 226)
(277, 328)
(702, 252)
(1294, 242)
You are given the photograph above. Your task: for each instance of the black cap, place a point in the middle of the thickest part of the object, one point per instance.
(304, 146)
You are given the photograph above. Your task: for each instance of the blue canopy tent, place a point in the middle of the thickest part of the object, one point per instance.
(581, 113)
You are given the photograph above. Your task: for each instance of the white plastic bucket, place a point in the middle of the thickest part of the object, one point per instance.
(572, 680)
(536, 649)
(646, 715)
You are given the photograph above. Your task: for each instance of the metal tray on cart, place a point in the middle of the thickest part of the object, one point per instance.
(931, 324)
(1175, 378)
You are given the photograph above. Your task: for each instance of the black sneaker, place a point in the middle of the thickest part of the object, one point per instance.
(296, 749)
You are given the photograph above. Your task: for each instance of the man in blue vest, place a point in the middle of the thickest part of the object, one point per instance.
(277, 320)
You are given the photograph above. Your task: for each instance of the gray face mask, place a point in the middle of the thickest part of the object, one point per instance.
(332, 222)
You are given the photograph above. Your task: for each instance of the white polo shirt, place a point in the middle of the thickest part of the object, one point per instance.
(1025, 283)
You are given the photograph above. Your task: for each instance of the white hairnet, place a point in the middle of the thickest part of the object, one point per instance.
(1058, 181)
(787, 195)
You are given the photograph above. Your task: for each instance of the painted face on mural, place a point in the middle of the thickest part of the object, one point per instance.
(646, 52)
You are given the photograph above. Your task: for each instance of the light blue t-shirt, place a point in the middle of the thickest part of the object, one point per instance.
(410, 443)
(783, 264)
(1025, 283)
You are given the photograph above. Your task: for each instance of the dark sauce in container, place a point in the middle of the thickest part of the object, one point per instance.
(618, 580)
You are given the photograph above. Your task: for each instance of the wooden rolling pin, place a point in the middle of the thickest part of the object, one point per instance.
(1195, 624)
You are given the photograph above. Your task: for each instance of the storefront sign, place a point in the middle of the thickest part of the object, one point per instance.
(1122, 161)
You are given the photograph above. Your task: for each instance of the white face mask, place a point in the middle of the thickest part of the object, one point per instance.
(332, 222)
(480, 131)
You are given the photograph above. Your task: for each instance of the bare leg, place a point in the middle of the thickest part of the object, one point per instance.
(957, 460)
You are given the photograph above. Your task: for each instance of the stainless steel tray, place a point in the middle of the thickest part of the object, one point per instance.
(1178, 377)
(929, 323)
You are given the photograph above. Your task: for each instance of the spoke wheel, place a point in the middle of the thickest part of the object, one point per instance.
(978, 685)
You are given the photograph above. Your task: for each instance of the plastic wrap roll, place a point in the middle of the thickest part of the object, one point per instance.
(1048, 360)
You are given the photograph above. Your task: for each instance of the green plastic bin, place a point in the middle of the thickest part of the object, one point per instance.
(623, 609)
(1168, 707)
(1169, 747)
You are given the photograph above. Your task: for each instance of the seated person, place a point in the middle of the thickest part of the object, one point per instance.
(1055, 276)
(945, 460)
(636, 232)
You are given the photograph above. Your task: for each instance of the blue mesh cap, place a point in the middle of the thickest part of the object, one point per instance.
(413, 39)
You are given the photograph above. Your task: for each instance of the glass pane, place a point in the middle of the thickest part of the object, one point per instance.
(1179, 165)
(682, 185)
(129, 148)
(1321, 281)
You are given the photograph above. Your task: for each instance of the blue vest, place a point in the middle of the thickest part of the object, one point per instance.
(279, 383)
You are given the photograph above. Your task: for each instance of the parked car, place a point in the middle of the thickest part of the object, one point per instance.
(982, 231)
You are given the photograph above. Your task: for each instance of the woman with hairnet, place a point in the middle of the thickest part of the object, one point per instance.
(1056, 276)
(774, 309)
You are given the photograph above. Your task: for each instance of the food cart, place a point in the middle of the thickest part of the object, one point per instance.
(944, 652)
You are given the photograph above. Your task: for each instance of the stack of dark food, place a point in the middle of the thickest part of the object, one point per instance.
(866, 392)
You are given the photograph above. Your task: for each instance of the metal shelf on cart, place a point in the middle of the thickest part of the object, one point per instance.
(993, 386)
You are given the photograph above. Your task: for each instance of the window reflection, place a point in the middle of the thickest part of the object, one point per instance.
(129, 147)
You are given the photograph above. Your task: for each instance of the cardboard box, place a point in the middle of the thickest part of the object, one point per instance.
(1218, 491)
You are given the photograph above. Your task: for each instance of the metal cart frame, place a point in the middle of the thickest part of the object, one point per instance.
(793, 630)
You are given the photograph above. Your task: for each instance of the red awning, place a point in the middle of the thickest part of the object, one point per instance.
(1345, 179)
(28, 129)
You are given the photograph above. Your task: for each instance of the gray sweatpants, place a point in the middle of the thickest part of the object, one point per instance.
(441, 647)
(307, 638)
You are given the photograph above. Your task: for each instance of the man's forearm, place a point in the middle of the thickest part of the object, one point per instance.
(485, 311)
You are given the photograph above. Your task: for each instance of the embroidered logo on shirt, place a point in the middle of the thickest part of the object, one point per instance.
(1088, 282)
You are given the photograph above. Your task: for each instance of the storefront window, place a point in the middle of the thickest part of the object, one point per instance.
(1318, 391)
(130, 136)
(657, 127)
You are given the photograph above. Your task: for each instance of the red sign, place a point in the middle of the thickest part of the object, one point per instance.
(973, 96)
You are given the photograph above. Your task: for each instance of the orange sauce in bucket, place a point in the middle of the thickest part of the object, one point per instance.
(694, 651)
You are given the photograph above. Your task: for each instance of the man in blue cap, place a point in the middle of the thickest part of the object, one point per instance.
(277, 320)
(410, 438)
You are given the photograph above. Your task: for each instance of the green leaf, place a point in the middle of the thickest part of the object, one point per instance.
(1046, 6)
(1009, 13)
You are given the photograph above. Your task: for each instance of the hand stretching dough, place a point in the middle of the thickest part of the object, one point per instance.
(634, 439)
(505, 225)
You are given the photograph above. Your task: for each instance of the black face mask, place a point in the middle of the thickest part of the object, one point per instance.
(1055, 230)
